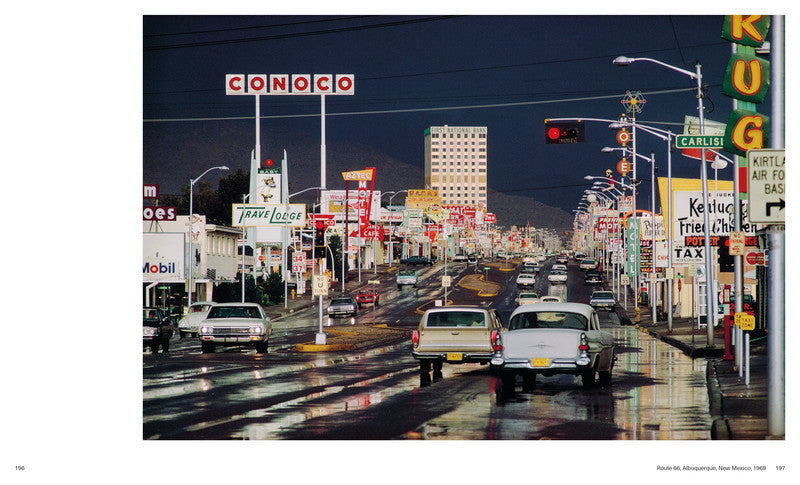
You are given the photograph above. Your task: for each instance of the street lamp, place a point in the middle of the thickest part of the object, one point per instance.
(711, 308)
(652, 161)
(391, 233)
(667, 136)
(191, 211)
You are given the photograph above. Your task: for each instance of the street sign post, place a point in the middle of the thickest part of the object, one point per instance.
(766, 186)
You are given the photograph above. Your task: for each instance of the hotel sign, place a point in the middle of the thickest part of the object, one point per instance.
(265, 215)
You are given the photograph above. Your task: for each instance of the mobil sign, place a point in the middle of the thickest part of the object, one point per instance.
(163, 256)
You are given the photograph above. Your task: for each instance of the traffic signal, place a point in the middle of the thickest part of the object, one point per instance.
(724, 257)
(560, 132)
(319, 234)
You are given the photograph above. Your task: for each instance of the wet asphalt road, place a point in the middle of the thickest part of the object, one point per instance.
(656, 392)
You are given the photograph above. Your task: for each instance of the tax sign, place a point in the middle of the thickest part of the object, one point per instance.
(766, 186)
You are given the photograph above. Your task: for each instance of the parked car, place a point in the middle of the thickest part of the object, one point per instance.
(587, 264)
(526, 298)
(416, 260)
(602, 300)
(343, 306)
(406, 277)
(553, 338)
(455, 335)
(557, 276)
(156, 329)
(232, 324)
(526, 279)
(368, 296)
(197, 312)
(593, 277)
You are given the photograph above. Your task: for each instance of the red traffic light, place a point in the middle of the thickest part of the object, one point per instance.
(560, 132)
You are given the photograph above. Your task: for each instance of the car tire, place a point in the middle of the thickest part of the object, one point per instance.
(604, 377)
(154, 347)
(528, 381)
(262, 347)
(424, 366)
(207, 347)
(587, 378)
(508, 380)
(183, 334)
(165, 345)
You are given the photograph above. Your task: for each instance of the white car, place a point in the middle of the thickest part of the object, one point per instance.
(526, 279)
(526, 298)
(588, 263)
(406, 277)
(553, 338)
(230, 324)
(557, 276)
(560, 267)
(197, 312)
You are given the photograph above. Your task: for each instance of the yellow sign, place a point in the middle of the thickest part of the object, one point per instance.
(745, 321)
(422, 199)
(358, 175)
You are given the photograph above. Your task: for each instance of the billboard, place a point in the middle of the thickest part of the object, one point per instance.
(163, 256)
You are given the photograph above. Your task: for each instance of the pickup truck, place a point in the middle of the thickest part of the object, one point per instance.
(602, 300)
(367, 296)
(406, 277)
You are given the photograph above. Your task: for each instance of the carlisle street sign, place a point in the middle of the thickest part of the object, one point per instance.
(699, 141)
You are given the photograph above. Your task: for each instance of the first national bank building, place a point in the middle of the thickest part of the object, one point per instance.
(455, 163)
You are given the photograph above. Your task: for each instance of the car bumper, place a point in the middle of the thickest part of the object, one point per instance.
(233, 340)
(602, 306)
(554, 366)
(341, 313)
(449, 357)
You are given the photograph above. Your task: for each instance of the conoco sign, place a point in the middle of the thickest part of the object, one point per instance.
(283, 84)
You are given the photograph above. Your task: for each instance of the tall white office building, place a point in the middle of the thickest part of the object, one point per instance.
(455, 163)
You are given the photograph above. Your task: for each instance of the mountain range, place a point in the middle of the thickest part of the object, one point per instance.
(172, 154)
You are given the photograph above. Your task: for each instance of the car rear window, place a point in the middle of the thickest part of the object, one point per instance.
(456, 319)
(341, 301)
(602, 294)
(548, 320)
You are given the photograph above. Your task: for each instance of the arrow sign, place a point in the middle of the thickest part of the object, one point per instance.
(771, 205)
(766, 186)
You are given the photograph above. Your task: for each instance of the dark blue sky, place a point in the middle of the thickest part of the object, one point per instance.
(554, 66)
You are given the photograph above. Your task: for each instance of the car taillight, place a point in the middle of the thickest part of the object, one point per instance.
(497, 343)
(584, 345)
(415, 338)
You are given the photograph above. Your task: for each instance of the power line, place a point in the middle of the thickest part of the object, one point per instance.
(254, 27)
(416, 110)
(300, 34)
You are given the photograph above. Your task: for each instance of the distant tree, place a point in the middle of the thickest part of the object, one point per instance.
(214, 204)
(228, 292)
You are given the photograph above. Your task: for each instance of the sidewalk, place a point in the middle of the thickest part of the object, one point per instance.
(739, 410)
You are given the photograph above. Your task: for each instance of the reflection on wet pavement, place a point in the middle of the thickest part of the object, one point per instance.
(657, 393)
